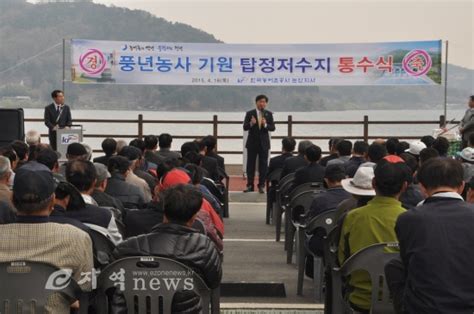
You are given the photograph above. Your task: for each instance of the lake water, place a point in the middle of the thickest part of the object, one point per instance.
(198, 130)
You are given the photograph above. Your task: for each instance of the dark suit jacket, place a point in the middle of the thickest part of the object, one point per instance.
(220, 159)
(210, 165)
(258, 137)
(278, 162)
(292, 164)
(103, 159)
(50, 116)
(313, 172)
(152, 157)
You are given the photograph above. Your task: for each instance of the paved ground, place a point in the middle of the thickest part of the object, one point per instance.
(252, 255)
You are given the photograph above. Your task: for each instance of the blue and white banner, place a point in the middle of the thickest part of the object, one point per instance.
(123, 62)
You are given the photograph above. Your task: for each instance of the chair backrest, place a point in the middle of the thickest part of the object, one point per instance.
(274, 176)
(301, 203)
(372, 259)
(284, 185)
(330, 245)
(148, 284)
(325, 220)
(308, 186)
(102, 248)
(26, 286)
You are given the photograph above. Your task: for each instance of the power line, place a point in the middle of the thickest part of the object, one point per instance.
(30, 58)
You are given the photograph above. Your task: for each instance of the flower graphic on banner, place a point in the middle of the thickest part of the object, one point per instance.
(93, 61)
(417, 62)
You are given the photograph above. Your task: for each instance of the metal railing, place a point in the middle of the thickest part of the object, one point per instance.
(215, 122)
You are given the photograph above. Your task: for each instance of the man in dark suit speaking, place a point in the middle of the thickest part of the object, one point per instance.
(57, 115)
(258, 122)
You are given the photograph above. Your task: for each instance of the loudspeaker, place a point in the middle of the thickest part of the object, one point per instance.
(12, 126)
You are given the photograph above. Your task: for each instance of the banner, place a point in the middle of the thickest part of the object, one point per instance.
(124, 62)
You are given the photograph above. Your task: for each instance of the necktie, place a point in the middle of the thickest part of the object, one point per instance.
(57, 109)
(259, 118)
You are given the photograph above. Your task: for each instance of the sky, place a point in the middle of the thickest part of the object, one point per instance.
(315, 21)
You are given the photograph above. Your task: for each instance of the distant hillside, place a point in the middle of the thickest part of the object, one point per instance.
(27, 29)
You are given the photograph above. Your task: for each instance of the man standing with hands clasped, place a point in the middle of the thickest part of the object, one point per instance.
(258, 122)
(57, 115)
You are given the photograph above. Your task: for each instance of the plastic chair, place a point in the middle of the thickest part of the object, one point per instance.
(325, 221)
(305, 187)
(102, 248)
(281, 202)
(371, 259)
(293, 192)
(225, 176)
(272, 181)
(299, 205)
(26, 286)
(148, 285)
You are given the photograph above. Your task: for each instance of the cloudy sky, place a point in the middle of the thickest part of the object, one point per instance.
(315, 21)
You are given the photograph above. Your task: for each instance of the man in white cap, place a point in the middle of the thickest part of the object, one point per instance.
(415, 148)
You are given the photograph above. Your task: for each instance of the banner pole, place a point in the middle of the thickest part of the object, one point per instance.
(64, 65)
(446, 83)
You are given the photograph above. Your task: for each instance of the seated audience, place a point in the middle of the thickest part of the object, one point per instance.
(332, 151)
(426, 154)
(391, 145)
(176, 239)
(466, 156)
(288, 146)
(209, 163)
(10, 153)
(103, 199)
(344, 149)
(210, 143)
(5, 174)
(441, 144)
(291, 164)
(130, 195)
(415, 149)
(413, 194)
(134, 155)
(34, 238)
(109, 147)
(313, 172)
(436, 240)
(212, 222)
(361, 189)
(67, 197)
(165, 152)
(142, 221)
(375, 153)
(359, 156)
(325, 201)
(32, 137)
(75, 151)
(428, 140)
(120, 144)
(373, 223)
(82, 175)
(22, 151)
(150, 155)
(402, 147)
(48, 157)
(196, 174)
